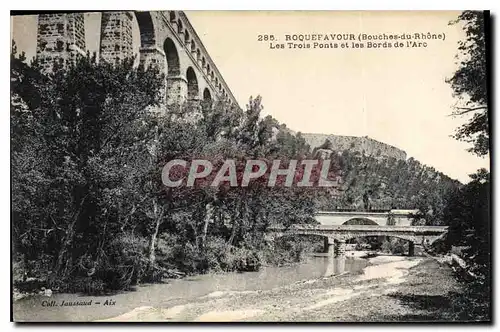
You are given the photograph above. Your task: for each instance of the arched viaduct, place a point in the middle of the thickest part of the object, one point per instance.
(167, 41)
(392, 217)
(336, 228)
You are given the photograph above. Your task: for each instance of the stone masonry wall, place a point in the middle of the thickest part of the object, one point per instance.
(116, 36)
(60, 37)
(167, 39)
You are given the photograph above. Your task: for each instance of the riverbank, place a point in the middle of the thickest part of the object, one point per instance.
(389, 288)
(392, 289)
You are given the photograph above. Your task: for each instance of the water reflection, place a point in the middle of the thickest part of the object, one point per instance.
(335, 266)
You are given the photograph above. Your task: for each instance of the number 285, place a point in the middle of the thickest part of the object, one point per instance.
(265, 38)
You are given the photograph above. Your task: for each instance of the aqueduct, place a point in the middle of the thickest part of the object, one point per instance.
(167, 41)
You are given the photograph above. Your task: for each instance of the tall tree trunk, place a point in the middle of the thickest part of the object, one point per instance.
(158, 213)
(66, 243)
(233, 230)
(152, 243)
(207, 216)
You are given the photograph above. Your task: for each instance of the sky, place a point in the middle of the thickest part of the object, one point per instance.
(394, 95)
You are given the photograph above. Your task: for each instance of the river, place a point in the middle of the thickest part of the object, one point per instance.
(179, 291)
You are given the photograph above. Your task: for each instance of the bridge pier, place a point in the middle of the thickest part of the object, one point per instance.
(334, 248)
(340, 247)
(411, 248)
(339, 260)
(326, 246)
(334, 236)
(177, 90)
(154, 56)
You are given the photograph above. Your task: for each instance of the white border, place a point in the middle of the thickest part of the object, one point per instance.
(196, 5)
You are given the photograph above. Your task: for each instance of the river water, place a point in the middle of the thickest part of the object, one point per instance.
(179, 291)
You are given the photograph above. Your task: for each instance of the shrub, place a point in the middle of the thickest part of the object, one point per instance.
(124, 262)
(394, 246)
(288, 250)
(165, 250)
(86, 285)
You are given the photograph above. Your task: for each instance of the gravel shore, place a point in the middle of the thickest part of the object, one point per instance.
(391, 289)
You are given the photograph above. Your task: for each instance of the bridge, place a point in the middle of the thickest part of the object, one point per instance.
(392, 217)
(336, 229)
(166, 39)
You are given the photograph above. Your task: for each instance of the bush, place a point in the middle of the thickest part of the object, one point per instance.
(165, 250)
(288, 250)
(394, 246)
(474, 302)
(124, 262)
(242, 260)
(216, 256)
(186, 257)
(87, 285)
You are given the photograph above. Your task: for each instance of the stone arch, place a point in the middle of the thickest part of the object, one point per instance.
(193, 46)
(360, 221)
(198, 54)
(180, 27)
(147, 29)
(172, 16)
(186, 37)
(192, 83)
(173, 64)
(207, 96)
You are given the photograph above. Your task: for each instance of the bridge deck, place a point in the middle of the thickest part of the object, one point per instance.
(366, 213)
(306, 227)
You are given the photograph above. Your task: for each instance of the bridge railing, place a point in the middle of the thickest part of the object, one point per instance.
(415, 229)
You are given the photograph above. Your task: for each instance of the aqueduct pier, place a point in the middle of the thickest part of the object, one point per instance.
(167, 40)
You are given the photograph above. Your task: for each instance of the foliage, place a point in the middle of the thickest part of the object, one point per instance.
(469, 82)
(90, 212)
(73, 132)
(370, 183)
(467, 211)
(289, 250)
(394, 246)
(468, 215)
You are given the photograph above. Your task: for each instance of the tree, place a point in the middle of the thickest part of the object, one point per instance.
(467, 212)
(468, 216)
(469, 82)
(78, 126)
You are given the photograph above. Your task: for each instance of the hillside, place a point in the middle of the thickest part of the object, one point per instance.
(372, 183)
(378, 176)
(365, 145)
